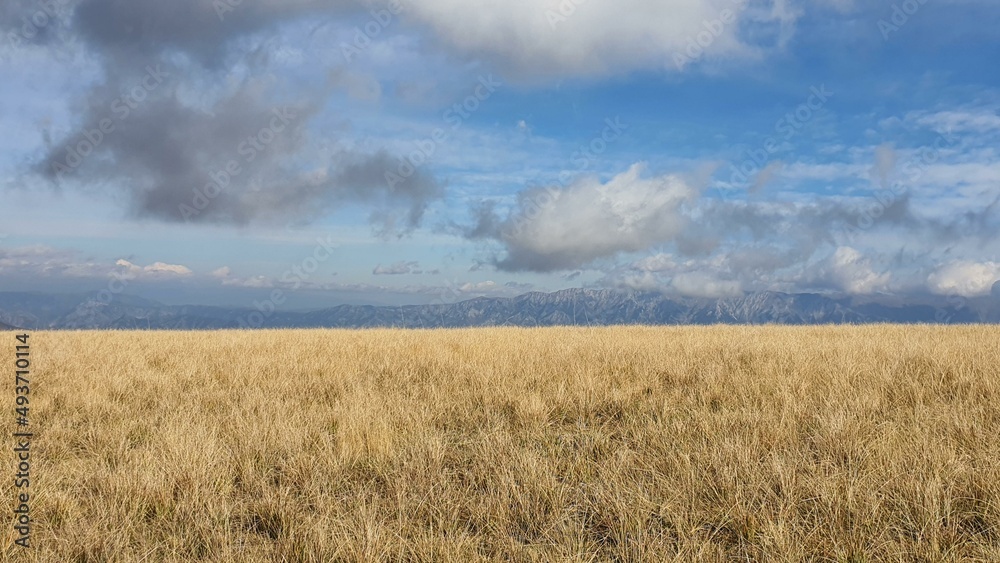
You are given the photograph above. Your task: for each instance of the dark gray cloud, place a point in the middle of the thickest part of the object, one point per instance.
(240, 157)
(486, 222)
(399, 202)
(240, 161)
(144, 28)
(201, 28)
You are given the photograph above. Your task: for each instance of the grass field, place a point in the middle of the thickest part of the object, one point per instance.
(877, 443)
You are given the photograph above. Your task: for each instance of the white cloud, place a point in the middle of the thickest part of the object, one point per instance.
(965, 278)
(480, 287)
(161, 268)
(256, 282)
(566, 228)
(542, 38)
(45, 261)
(851, 272)
(226, 277)
(658, 262)
(701, 284)
(952, 121)
(41, 260)
(129, 270)
(983, 175)
(221, 273)
(847, 270)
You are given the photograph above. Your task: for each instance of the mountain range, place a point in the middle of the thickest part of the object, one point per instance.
(566, 307)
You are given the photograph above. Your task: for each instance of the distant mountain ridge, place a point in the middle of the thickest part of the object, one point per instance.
(566, 307)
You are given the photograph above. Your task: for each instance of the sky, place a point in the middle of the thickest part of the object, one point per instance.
(404, 151)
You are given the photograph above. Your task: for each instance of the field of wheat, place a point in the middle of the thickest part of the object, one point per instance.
(876, 443)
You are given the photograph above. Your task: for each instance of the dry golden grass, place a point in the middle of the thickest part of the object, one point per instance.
(877, 443)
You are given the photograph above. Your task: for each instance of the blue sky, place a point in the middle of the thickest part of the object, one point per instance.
(413, 152)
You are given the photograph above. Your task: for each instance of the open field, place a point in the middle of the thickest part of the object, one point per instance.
(579, 444)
